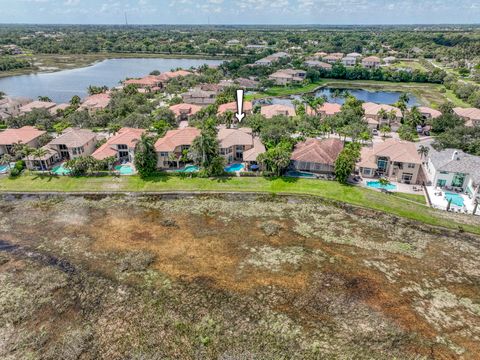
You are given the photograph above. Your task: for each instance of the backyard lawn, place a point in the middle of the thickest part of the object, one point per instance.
(397, 205)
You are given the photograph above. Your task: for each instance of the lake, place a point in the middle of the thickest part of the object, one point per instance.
(337, 95)
(62, 85)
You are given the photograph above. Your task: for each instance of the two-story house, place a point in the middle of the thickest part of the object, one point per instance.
(171, 146)
(288, 76)
(270, 111)
(26, 135)
(393, 159)
(371, 62)
(121, 146)
(184, 112)
(377, 115)
(74, 143)
(234, 143)
(470, 115)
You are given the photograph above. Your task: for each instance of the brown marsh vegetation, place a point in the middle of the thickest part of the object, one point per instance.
(231, 277)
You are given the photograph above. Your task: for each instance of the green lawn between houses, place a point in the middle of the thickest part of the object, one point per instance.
(407, 206)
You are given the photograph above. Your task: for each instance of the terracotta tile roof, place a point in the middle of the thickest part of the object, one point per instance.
(324, 151)
(270, 111)
(183, 108)
(74, 138)
(472, 114)
(175, 138)
(371, 59)
(320, 64)
(330, 108)
(58, 107)
(395, 150)
(372, 109)
(232, 106)
(23, 135)
(97, 101)
(251, 154)
(125, 136)
(232, 137)
(37, 105)
(432, 112)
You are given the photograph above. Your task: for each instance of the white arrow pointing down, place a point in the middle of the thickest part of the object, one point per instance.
(240, 114)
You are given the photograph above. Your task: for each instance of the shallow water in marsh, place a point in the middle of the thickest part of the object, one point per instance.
(231, 277)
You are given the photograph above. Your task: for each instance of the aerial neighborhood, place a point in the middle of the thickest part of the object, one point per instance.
(187, 119)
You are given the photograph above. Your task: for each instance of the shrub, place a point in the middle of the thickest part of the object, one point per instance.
(136, 261)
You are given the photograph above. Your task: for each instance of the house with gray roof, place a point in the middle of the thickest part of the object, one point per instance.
(452, 169)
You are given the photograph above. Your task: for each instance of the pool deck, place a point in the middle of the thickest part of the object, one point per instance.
(439, 201)
(403, 188)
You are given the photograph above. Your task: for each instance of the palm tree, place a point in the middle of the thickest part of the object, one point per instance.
(382, 113)
(384, 129)
(392, 116)
(27, 151)
(6, 159)
(38, 154)
(423, 151)
(44, 98)
(75, 101)
(404, 98)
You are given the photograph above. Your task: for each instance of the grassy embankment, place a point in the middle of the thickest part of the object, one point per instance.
(427, 94)
(407, 206)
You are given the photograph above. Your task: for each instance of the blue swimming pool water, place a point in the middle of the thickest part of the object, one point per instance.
(377, 185)
(189, 169)
(235, 168)
(124, 169)
(457, 199)
(300, 174)
(60, 170)
(3, 168)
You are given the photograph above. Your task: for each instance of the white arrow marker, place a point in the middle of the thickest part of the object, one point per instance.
(240, 114)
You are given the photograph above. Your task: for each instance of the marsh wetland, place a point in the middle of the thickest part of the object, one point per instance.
(231, 277)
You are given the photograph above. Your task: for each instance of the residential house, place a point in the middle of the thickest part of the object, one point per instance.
(171, 146)
(58, 108)
(47, 105)
(250, 156)
(320, 54)
(318, 64)
(74, 143)
(349, 61)
(10, 106)
(429, 113)
(373, 115)
(470, 115)
(316, 156)
(354, 55)
(184, 112)
(120, 146)
(389, 60)
(393, 159)
(332, 59)
(329, 109)
(232, 106)
(270, 111)
(199, 97)
(454, 169)
(371, 62)
(95, 102)
(44, 162)
(269, 60)
(149, 82)
(247, 84)
(287, 76)
(234, 143)
(26, 135)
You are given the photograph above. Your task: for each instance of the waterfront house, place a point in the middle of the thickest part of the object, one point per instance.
(10, 106)
(429, 113)
(58, 109)
(349, 61)
(318, 64)
(393, 159)
(329, 109)
(149, 83)
(95, 102)
(47, 105)
(354, 55)
(26, 135)
(470, 115)
(288, 76)
(270, 111)
(371, 62)
(184, 112)
(316, 156)
(380, 114)
(170, 148)
(44, 162)
(320, 54)
(452, 169)
(74, 143)
(332, 59)
(235, 142)
(121, 146)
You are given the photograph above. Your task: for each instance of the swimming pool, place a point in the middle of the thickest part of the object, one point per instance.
(124, 169)
(4, 169)
(60, 170)
(234, 168)
(189, 169)
(377, 185)
(457, 199)
(300, 174)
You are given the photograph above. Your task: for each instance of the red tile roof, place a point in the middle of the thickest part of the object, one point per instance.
(324, 151)
(184, 108)
(270, 111)
(97, 101)
(232, 106)
(125, 136)
(23, 135)
(178, 137)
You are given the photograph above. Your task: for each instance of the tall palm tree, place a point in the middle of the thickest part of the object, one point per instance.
(6, 159)
(392, 116)
(27, 151)
(423, 151)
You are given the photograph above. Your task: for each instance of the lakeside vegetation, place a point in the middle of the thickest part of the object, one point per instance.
(354, 195)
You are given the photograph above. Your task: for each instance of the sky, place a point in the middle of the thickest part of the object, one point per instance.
(240, 11)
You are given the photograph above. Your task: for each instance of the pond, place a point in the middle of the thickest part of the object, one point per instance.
(62, 85)
(337, 95)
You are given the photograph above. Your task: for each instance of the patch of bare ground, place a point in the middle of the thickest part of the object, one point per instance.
(231, 278)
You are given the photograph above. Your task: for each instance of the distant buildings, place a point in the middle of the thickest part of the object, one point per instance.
(318, 64)
(95, 102)
(47, 105)
(371, 62)
(287, 76)
(269, 60)
(184, 112)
